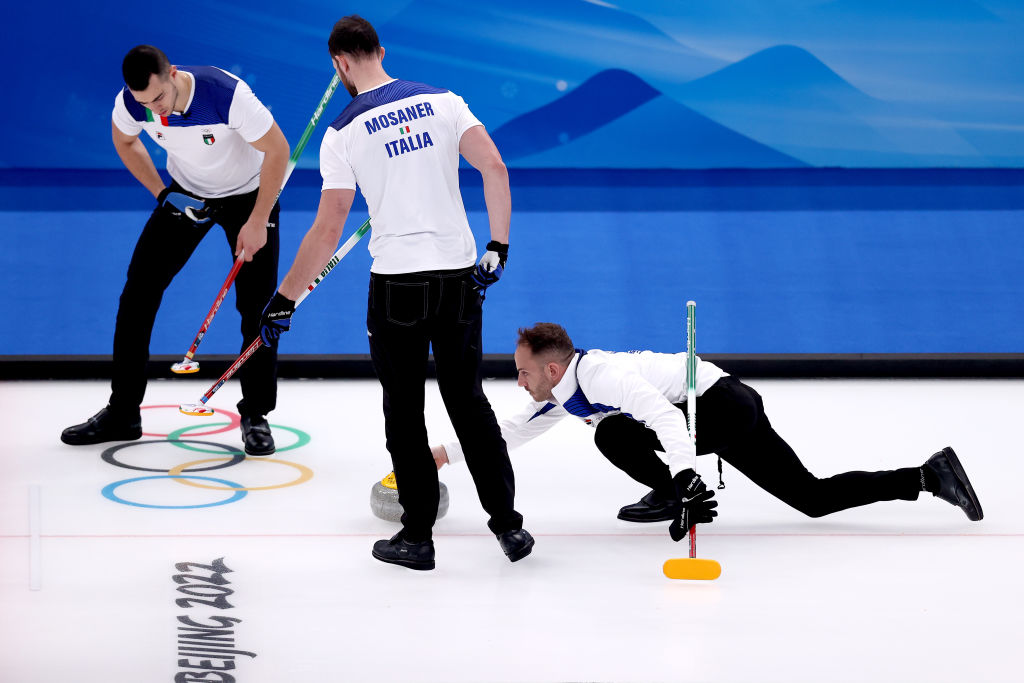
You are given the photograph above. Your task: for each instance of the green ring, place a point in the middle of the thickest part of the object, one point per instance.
(173, 437)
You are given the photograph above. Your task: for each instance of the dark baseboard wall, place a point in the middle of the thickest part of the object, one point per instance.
(358, 366)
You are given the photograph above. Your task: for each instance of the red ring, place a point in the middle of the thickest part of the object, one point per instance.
(235, 422)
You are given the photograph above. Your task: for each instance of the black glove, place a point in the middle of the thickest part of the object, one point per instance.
(491, 266)
(276, 319)
(695, 504)
(182, 205)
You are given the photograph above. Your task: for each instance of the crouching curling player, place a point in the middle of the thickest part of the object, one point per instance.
(637, 403)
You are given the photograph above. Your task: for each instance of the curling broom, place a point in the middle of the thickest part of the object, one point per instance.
(199, 409)
(187, 365)
(692, 567)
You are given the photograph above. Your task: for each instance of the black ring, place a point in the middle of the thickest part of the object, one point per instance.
(237, 455)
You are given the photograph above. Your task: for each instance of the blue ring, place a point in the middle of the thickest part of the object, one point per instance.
(108, 492)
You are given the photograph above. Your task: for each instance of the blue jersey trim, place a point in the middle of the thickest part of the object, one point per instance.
(378, 97)
(211, 103)
(579, 405)
(215, 90)
(137, 111)
(543, 410)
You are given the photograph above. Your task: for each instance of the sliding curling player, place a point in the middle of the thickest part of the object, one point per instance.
(636, 402)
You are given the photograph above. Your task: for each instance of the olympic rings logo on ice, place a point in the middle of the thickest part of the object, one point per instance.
(185, 473)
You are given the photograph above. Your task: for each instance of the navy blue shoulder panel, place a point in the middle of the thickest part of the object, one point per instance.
(578, 404)
(386, 94)
(137, 111)
(210, 104)
(212, 100)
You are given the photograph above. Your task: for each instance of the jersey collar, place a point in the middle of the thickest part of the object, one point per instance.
(568, 385)
(381, 85)
(192, 93)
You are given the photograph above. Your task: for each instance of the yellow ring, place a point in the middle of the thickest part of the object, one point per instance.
(305, 474)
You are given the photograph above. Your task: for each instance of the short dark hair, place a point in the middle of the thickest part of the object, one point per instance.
(355, 36)
(141, 62)
(547, 339)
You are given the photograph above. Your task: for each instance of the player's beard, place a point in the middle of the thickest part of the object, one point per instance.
(542, 391)
(174, 102)
(174, 98)
(349, 85)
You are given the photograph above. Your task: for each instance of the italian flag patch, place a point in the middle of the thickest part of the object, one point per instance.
(403, 129)
(150, 118)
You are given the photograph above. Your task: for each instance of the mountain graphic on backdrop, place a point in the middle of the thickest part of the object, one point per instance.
(505, 59)
(788, 99)
(616, 120)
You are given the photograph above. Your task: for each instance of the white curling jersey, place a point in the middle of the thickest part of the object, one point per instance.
(399, 142)
(642, 385)
(208, 150)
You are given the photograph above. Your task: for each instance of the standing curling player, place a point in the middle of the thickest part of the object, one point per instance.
(401, 141)
(224, 148)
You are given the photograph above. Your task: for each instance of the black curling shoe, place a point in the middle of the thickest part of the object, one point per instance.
(650, 508)
(104, 426)
(256, 436)
(399, 551)
(954, 486)
(517, 544)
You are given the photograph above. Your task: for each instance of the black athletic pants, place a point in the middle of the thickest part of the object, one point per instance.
(407, 314)
(733, 425)
(165, 245)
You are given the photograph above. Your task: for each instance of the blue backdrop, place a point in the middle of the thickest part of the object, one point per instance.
(749, 108)
(639, 84)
